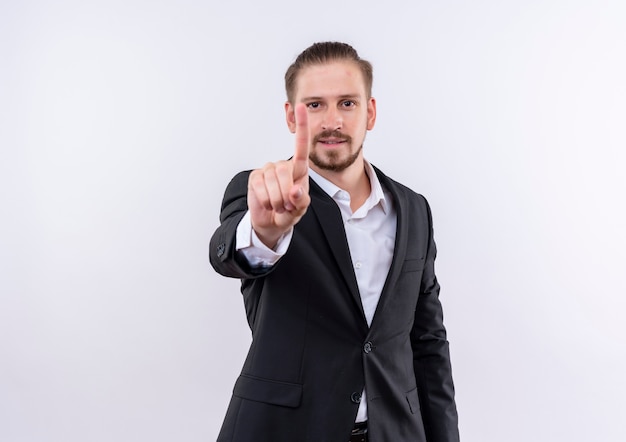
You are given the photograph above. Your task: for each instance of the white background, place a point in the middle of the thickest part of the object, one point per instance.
(121, 123)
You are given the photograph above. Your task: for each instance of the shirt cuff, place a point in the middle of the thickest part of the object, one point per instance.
(252, 248)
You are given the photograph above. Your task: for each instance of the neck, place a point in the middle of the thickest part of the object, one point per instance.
(353, 180)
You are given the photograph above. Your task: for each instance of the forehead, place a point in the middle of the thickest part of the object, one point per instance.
(336, 78)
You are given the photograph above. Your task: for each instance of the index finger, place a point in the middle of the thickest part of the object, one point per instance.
(301, 155)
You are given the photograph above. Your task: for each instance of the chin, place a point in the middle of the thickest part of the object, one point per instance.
(333, 162)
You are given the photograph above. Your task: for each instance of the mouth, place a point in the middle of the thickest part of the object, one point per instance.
(332, 141)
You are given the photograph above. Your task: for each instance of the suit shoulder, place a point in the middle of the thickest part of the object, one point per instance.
(395, 186)
(235, 194)
(239, 179)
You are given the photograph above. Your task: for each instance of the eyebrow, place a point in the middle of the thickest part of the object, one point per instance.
(340, 97)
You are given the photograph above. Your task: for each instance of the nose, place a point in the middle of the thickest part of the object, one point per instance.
(332, 120)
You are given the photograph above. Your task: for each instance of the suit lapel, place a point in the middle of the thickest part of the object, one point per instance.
(400, 246)
(329, 218)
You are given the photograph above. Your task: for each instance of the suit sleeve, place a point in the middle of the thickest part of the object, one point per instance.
(431, 356)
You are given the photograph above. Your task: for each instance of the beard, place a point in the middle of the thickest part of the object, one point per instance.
(333, 160)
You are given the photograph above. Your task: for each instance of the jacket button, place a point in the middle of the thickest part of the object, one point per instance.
(355, 397)
(367, 347)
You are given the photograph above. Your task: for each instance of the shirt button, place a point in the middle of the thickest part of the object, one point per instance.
(367, 347)
(355, 397)
(358, 265)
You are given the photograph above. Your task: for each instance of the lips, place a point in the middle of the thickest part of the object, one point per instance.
(331, 138)
(332, 141)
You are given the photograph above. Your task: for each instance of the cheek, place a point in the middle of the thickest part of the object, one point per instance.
(362, 125)
(314, 122)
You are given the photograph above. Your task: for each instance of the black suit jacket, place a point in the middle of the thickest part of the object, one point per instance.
(312, 351)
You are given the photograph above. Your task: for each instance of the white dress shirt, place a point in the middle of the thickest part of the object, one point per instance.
(370, 231)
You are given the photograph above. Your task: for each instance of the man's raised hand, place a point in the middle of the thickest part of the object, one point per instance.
(278, 194)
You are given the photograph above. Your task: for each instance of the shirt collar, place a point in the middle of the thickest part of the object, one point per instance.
(376, 196)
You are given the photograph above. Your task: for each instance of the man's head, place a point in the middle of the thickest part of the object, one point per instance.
(335, 86)
(322, 53)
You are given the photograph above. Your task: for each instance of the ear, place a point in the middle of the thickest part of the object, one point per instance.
(290, 117)
(371, 113)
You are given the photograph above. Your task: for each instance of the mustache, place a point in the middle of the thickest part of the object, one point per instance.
(331, 134)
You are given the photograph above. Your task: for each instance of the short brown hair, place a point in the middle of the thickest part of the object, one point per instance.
(324, 52)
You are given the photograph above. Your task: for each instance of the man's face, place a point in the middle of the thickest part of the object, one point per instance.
(339, 113)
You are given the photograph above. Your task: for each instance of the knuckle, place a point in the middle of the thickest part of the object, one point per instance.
(283, 168)
(268, 167)
(269, 173)
(255, 180)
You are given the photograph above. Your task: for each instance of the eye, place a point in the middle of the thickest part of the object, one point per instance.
(348, 103)
(313, 105)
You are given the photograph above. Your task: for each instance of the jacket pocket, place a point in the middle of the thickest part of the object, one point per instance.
(268, 391)
(413, 400)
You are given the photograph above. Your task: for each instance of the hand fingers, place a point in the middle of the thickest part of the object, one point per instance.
(258, 198)
(301, 155)
(271, 187)
(278, 194)
(280, 181)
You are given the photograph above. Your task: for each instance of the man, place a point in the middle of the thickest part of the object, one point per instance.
(337, 268)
